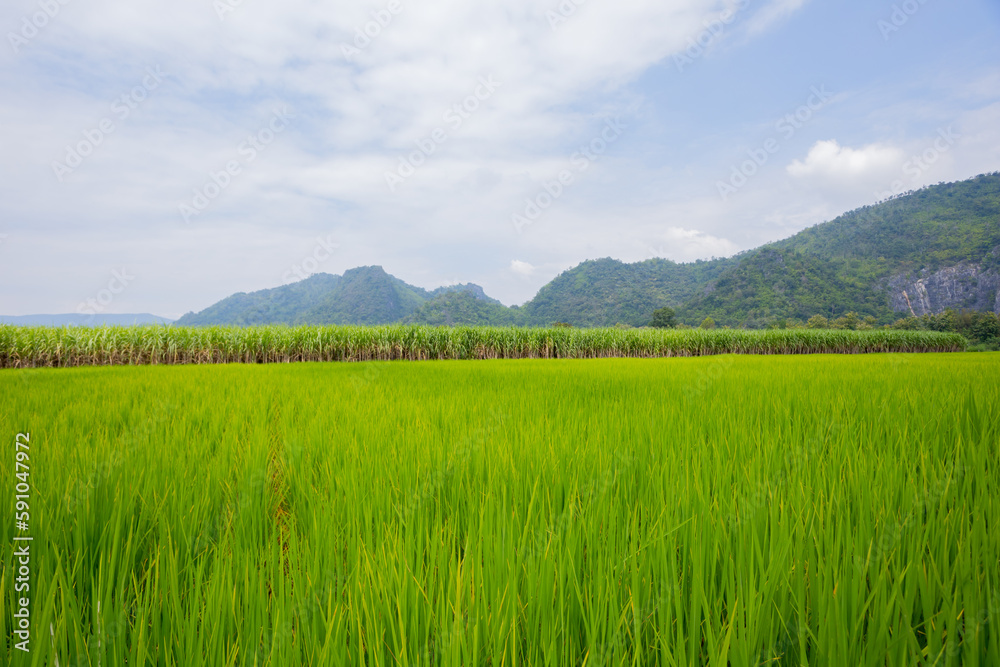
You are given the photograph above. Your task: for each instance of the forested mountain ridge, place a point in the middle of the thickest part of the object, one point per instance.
(281, 305)
(916, 254)
(864, 260)
(604, 292)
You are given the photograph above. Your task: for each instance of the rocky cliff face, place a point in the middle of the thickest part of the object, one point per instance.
(963, 286)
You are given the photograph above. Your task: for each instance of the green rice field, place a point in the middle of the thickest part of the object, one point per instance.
(711, 510)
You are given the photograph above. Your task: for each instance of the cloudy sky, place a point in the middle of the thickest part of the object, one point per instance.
(182, 151)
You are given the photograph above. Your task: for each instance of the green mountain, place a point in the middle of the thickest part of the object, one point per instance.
(365, 295)
(281, 305)
(917, 254)
(465, 308)
(605, 292)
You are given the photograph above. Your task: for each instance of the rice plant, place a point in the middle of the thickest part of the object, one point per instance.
(723, 510)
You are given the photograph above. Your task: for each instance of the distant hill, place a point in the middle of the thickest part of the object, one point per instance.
(918, 254)
(74, 319)
(365, 295)
(465, 308)
(281, 305)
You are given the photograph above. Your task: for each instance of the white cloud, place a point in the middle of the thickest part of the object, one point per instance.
(774, 11)
(520, 268)
(354, 119)
(828, 159)
(686, 245)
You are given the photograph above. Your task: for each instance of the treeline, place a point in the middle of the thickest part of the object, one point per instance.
(981, 329)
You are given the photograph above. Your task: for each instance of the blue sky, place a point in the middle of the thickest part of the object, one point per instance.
(161, 156)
